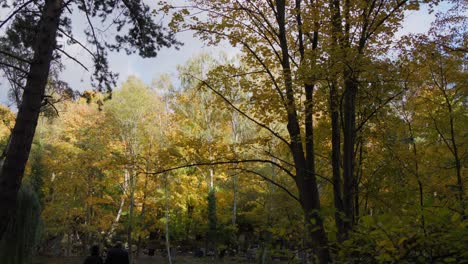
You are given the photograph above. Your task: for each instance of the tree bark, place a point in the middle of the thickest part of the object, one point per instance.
(456, 155)
(22, 135)
(349, 139)
(351, 87)
(111, 231)
(335, 125)
(130, 214)
(166, 201)
(336, 162)
(418, 177)
(143, 211)
(305, 177)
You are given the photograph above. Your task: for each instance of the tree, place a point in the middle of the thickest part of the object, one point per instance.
(359, 30)
(132, 113)
(263, 31)
(443, 80)
(143, 35)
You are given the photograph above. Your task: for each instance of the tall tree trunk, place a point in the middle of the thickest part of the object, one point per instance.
(357, 180)
(305, 177)
(166, 201)
(211, 178)
(335, 122)
(234, 206)
(116, 220)
(418, 177)
(130, 215)
(22, 135)
(349, 138)
(143, 211)
(456, 155)
(235, 178)
(336, 157)
(351, 87)
(190, 209)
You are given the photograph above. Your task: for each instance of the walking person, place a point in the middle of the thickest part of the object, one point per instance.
(95, 257)
(117, 255)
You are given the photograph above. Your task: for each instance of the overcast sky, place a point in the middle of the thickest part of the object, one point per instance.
(168, 59)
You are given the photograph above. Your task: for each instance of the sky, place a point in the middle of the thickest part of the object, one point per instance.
(167, 60)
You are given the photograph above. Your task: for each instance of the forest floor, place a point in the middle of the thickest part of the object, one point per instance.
(148, 260)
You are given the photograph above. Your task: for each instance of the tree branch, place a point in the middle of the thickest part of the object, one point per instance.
(72, 58)
(442, 135)
(377, 109)
(14, 56)
(15, 12)
(238, 110)
(77, 42)
(379, 23)
(222, 163)
(270, 181)
(92, 28)
(257, 58)
(14, 67)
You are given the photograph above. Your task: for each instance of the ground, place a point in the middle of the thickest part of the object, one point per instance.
(154, 260)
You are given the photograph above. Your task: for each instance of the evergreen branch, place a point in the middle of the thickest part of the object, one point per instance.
(15, 12)
(14, 67)
(14, 56)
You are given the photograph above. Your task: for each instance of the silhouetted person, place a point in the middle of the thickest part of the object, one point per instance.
(95, 258)
(117, 255)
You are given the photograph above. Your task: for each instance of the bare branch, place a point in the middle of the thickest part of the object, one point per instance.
(72, 58)
(442, 135)
(270, 181)
(92, 27)
(77, 42)
(222, 163)
(240, 111)
(388, 100)
(257, 58)
(282, 160)
(248, 73)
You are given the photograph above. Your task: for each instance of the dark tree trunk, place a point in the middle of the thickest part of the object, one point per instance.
(130, 215)
(305, 176)
(336, 157)
(351, 87)
(418, 178)
(310, 202)
(22, 135)
(349, 139)
(143, 211)
(456, 155)
(357, 180)
(335, 125)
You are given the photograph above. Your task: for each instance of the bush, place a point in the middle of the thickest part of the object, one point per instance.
(391, 239)
(22, 235)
